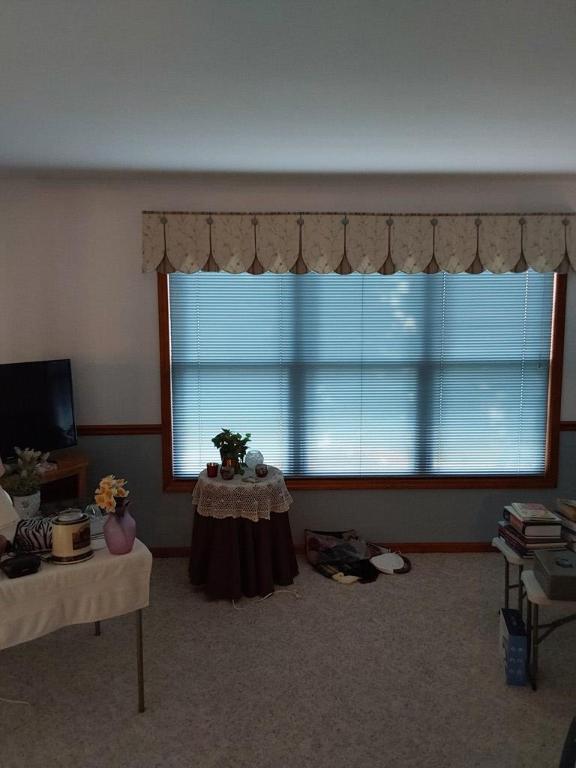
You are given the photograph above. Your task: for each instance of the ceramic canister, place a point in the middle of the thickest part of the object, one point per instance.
(71, 537)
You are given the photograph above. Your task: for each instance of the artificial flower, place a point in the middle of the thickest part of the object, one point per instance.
(109, 489)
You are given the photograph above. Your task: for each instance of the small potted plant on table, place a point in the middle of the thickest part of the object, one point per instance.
(232, 447)
(22, 481)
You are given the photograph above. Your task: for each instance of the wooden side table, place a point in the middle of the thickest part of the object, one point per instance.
(69, 465)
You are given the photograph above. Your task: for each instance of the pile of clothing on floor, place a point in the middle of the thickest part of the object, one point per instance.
(346, 558)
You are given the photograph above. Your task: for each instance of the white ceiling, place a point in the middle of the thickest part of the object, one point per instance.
(398, 86)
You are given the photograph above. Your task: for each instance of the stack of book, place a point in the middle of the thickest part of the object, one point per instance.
(566, 510)
(531, 527)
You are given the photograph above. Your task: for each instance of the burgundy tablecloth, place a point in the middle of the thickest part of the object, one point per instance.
(235, 556)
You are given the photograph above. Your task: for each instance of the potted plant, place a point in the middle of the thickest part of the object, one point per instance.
(232, 447)
(22, 481)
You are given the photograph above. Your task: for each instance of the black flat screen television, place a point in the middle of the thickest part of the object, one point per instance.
(36, 406)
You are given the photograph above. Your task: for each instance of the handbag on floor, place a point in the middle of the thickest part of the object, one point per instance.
(341, 555)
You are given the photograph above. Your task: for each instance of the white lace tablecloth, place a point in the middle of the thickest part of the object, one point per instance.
(214, 497)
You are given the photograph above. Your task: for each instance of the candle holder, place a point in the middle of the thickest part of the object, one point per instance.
(212, 469)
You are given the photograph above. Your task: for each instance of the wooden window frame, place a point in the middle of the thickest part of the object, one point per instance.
(547, 480)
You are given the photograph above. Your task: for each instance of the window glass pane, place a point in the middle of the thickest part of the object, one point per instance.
(490, 407)
(485, 426)
(363, 374)
(227, 365)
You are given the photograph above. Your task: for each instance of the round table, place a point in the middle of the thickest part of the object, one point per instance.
(241, 538)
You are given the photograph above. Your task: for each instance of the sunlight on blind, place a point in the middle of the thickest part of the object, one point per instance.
(363, 374)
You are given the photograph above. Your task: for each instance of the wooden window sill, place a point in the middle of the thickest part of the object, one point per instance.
(186, 485)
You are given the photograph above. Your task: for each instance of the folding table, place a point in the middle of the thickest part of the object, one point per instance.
(536, 598)
(61, 595)
(512, 558)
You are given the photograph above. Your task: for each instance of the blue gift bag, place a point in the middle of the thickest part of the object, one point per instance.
(513, 646)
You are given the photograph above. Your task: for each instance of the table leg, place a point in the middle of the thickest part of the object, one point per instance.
(506, 582)
(140, 660)
(529, 640)
(520, 590)
(97, 630)
(535, 648)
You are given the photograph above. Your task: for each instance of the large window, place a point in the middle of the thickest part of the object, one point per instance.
(364, 376)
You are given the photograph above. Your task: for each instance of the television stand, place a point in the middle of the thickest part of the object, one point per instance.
(69, 466)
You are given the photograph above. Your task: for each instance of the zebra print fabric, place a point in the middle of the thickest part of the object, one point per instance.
(33, 535)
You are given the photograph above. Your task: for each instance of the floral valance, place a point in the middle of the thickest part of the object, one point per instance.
(345, 243)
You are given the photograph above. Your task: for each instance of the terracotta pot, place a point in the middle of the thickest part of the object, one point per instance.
(231, 461)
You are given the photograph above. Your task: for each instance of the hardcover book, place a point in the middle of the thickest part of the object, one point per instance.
(531, 511)
(525, 547)
(535, 529)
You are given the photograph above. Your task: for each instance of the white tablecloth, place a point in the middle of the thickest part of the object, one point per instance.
(59, 595)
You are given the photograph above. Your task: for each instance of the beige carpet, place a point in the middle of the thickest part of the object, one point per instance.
(403, 672)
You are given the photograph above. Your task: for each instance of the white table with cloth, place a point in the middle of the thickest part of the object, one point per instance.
(58, 596)
(241, 538)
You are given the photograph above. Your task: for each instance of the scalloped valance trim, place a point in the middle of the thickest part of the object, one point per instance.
(361, 242)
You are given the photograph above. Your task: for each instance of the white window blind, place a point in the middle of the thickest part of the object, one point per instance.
(363, 375)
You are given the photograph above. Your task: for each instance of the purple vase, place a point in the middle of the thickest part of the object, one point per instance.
(120, 532)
